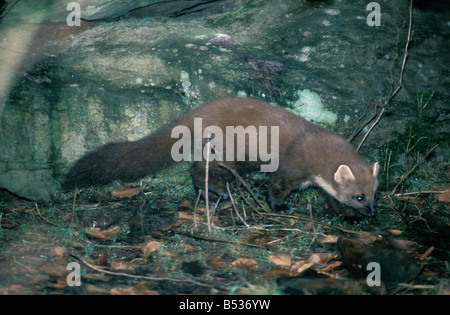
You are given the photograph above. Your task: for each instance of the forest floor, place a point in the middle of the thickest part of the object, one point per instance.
(156, 239)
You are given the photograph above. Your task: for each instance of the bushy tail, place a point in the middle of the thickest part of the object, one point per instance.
(125, 161)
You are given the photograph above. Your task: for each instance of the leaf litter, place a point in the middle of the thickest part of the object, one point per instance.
(153, 241)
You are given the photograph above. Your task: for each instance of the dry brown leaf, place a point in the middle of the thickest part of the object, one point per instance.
(151, 247)
(216, 262)
(185, 216)
(123, 265)
(300, 266)
(395, 232)
(14, 289)
(189, 247)
(321, 258)
(102, 259)
(170, 253)
(277, 272)
(247, 263)
(332, 265)
(133, 290)
(127, 192)
(329, 239)
(109, 234)
(187, 204)
(282, 260)
(445, 196)
(60, 251)
(6, 223)
(93, 289)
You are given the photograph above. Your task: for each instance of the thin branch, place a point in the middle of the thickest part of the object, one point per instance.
(413, 168)
(234, 206)
(40, 215)
(122, 274)
(400, 80)
(9, 8)
(208, 215)
(371, 127)
(418, 192)
(232, 171)
(195, 207)
(304, 218)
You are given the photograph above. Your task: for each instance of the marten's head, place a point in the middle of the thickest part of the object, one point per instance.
(357, 188)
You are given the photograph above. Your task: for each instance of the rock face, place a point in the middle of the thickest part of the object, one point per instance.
(123, 79)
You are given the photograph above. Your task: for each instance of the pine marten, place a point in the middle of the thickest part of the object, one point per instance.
(304, 154)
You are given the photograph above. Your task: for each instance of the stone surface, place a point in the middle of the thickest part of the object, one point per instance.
(123, 79)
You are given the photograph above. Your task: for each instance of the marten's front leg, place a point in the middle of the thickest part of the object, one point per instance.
(280, 185)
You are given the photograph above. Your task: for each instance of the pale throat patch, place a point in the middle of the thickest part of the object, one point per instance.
(325, 186)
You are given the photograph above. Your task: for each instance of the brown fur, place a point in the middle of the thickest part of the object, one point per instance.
(308, 155)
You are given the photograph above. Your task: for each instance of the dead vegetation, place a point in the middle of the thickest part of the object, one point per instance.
(159, 238)
(155, 239)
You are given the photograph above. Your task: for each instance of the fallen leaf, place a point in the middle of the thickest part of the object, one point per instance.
(187, 204)
(127, 193)
(445, 196)
(300, 266)
(282, 260)
(245, 263)
(151, 247)
(189, 247)
(170, 253)
(321, 258)
(60, 251)
(132, 290)
(109, 234)
(329, 239)
(14, 289)
(6, 223)
(102, 259)
(216, 262)
(123, 265)
(332, 265)
(277, 272)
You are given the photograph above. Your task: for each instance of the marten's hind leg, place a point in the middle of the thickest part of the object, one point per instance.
(217, 180)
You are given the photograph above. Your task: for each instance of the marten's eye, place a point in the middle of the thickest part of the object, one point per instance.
(360, 198)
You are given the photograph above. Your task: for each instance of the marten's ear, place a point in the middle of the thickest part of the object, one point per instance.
(343, 174)
(376, 168)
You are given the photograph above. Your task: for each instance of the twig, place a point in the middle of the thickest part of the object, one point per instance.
(309, 208)
(219, 240)
(234, 206)
(141, 218)
(420, 192)
(400, 80)
(40, 215)
(195, 208)
(427, 253)
(416, 286)
(74, 204)
(371, 127)
(122, 274)
(9, 8)
(303, 218)
(232, 171)
(208, 215)
(413, 168)
(246, 200)
(361, 127)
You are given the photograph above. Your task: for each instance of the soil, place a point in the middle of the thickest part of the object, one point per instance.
(155, 240)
